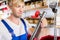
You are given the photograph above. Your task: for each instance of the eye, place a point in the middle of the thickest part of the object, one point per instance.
(23, 7)
(18, 6)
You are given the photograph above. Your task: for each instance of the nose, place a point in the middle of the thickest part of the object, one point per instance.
(21, 9)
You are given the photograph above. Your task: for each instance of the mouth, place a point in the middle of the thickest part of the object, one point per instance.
(20, 12)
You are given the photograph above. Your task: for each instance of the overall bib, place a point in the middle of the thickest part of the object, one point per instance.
(11, 31)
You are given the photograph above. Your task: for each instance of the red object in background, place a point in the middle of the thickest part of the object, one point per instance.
(37, 13)
(0, 4)
(29, 36)
(5, 8)
(35, 39)
(33, 16)
(49, 37)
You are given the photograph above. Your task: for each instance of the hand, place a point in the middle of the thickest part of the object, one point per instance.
(44, 22)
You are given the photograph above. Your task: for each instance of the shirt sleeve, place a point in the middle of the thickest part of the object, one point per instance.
(1, 37)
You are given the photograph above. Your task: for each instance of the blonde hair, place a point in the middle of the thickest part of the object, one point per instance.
(10, 2)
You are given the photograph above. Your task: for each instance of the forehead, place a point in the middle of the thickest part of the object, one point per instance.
(17, 2)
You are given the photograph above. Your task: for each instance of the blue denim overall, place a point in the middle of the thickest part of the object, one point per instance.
(11, 31)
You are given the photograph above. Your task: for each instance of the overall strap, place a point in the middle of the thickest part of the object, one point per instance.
(8, 27)
(25, 26)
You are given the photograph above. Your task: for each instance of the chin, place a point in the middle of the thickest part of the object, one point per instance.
(17, 16)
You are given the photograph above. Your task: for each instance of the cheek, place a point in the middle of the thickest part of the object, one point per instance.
(21, 10)
(15, 10)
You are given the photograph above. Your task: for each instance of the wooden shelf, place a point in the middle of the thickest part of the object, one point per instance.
(35, 20)
(36, 6)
